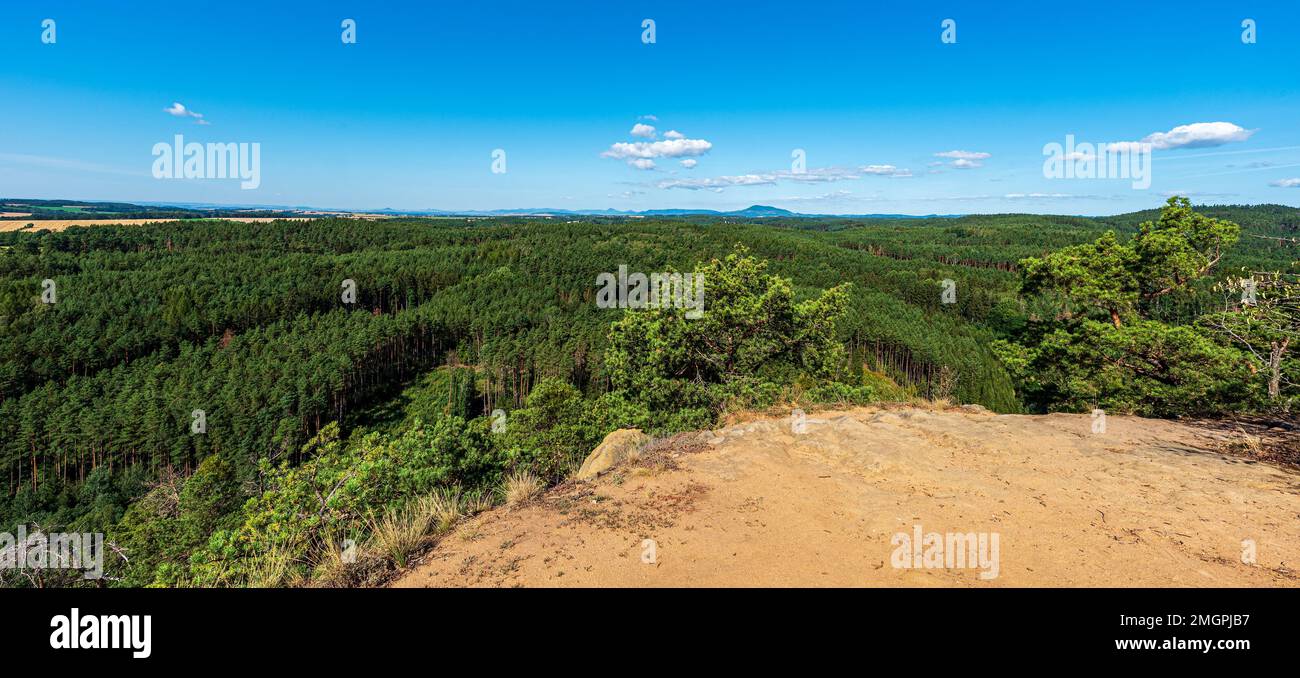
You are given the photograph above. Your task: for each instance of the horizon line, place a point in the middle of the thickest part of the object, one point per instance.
(607, 211)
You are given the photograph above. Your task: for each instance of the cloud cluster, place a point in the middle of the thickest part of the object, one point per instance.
(840, 195)
(811, 176)
(964, 159)
(1195, 135)
(1038, 196)
(718, 183)
(643, 131)
(1022, 196)
(1287, 183)
(964, 155)
(642, 154)
(1198, 135)
(1195, 194)
(179, 110)
(652, 146)
(883, 171)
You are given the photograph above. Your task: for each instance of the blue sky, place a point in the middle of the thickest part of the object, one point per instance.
(408, 116)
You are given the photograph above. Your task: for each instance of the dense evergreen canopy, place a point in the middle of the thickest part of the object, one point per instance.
(319, 410)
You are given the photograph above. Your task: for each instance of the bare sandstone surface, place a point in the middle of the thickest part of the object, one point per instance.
(1145, 503)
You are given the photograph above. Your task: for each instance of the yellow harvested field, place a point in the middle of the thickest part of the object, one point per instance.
(61, 224)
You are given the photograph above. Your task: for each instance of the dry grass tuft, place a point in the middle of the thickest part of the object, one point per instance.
(443, 507)
(477, 502)
(520, 486)
(400, 532)
(270, 569)
(1246, 445)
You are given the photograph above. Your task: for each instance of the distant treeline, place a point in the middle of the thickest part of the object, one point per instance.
(40, 210)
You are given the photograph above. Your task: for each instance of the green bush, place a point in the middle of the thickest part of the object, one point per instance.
(1095, 343)
(341, 486)
(753, 337)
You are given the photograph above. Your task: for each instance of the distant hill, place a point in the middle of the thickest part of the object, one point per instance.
(34, 210)
(762, 211)
(73, 209)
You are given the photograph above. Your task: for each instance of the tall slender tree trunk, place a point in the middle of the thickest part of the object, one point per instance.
(1276, 351)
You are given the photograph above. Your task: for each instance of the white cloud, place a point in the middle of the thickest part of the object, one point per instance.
(1020, 196)
(179, 110)
(819, 175)
(814, 175)
(1195, 135)
(964, 159)
(651, 118)
(670, 148)
(1196, 194)
(1126, 147)
(718, 183)
(1287, 183)
(1198, 135)
(885, 171)
(964, 155)
(690, 163)
(833, 195)
(640, 154)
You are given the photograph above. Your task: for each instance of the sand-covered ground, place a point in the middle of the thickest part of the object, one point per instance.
(1144, 503)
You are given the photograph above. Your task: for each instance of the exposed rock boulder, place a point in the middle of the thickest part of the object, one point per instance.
(620, 446)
